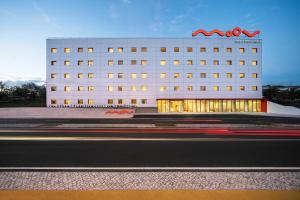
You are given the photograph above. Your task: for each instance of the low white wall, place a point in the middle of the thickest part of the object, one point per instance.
(280, 109)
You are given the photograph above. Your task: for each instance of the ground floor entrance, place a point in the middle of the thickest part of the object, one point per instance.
(209, 105)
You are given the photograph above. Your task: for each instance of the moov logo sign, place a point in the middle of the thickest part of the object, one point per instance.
(235, 32)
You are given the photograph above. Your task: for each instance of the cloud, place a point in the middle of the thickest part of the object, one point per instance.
(113, 12)
(46, 18)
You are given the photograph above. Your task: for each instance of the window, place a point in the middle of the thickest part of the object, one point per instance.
(202, 75)
(90, 75)
(242, 88)
(133, 49)
(163, 88)
(189, 88)
(110, 101)
(242, 62)
(110, 75)
(144, 49)
(216, 62)
(254, 62)
(90, 88)
(80, 88)
(90, 62)
(133, 101)
(80, 75)
(120, 62)
(163, 49)
(189, 75)
(242, 50)
(216, 88)
(144, 101)
(144, 75)
(53, 76)
(216, 75)
(229, 88)
(202, 88)
(229, 62)
(120, 50)
(120, 75)
(90, 101)
(67, 63)
(216, 50)
(163, 62)
(67, 50)
(67, 75)
(133, 62)
(80, 101)
(254, 50)
(133, 88)
(53, 101)
(67, 101)
(229, 50)
(202, 62)
(189, 49)
(110, 88)
(110, 50)
(254, 75)
(228, 75)
(53, 62)
(120, 101)
(133, 75)
(53, 50)
(144, 88)
(90, 50)
(176, 49)
(67, 88)
(53, 88)
(80, 62)
(189, 62)
(176, 75)
(176, 62)
(163, 75)
(144, 62)
(254, 88)
(242, 75)
(110, 62)
(80, 50)
(176, 88)
(202, 49)
(120, 88)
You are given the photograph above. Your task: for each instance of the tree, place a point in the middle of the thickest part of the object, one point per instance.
(2, 86)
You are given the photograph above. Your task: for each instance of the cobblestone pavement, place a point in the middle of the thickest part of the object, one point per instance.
(148, 180)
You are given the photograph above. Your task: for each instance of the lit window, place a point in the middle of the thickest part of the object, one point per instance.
(67, 50)
(242, 50)
(110, 88)
(90, 101)
(67, 63)
(254, 88)
(228, 75)
(80, 88)
(144, 101)
(110, 62)
(229, 88)
(189, 75)
(163, 88)
(202, 49)
(176, 88)
(176, 75)
(163, 75)
(80, 62)
(216, 75)
(133, 75)
(90, 50)
(120, 101)
(254, 50)
(144, 49)
(229, 62)
(110, 50)
(242, 75)
(216, 88)
(144, 75)
(110, 75)
(176, 49)
(163, 49)
(163, 62)
(53, 101)
(242, 88)
(216, 50)
(216, 62)
(202, 62)
(120, 88)
(80, 50)
(189, 62)
(53, 50)
(90, 75)
(133, 101)
(202, 75)
(53, 62)
(80, 75)
(133, 88)
(120, 62)
(144, 62)
(53, 76)
(120, 75)
(229, 50)
(133, 49)
(202, 88)
(80, 101)
(133, 62)
(242, 62)
(67, 101)
(189, 88)
(254, 62)
(53, 88)
(90, 88)
(67, 88)
(189, 49)
(120, 50)
(110, 101)
(67, 75)
(90, 62)
(176, 62)
(254, 75)
(144, 88)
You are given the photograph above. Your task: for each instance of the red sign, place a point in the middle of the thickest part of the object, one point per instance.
(235, 32)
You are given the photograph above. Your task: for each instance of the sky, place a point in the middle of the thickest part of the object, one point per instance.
(25, 25)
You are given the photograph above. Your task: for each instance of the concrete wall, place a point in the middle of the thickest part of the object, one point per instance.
(280, 109)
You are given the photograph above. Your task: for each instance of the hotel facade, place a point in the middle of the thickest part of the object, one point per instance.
(197, 74)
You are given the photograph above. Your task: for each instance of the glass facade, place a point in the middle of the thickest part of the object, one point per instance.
(209, 105)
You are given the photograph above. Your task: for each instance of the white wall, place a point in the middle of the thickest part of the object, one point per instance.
(280, 109)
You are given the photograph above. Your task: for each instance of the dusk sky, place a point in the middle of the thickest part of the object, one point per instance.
(25, 25)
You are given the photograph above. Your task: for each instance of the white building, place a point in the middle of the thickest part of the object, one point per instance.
(174, 74)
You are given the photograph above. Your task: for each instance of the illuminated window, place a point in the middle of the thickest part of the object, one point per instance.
(133, 62)
(176, 88)
(90, 62)
(80, 101)
(144, 88)
(120, 88)
(144, 62)
(163, 62)
(254, 62)
(133, 88)
(90, 75)
(53, 76)
(189, 88)
(53, 50)
(110, 62)
(67, 88)
(202, 88)
(120, 50)
(110, 75)
(53, 101)
(189, 49)
(202, 49)
(176, 75)
(67, 63)
(133, 49)
(254, 75)
(229, 62)
(120, 62)
(202, 62)
(144, 49)
(189, 62)
(110, 88)
(133, 75)
(80, 75)
(80, 88)
(242, 88)
(53, 62)
(189, 75)
(202, 75)
(67, 101)
(176, 62)
(229, 88)
(90, 101)
(67, 75)
(120, 101)
(144, 75)
(163, 88)
(229, 50)
(80, 50)
(216, 50)
(53, 88)
(67, 50)
(144, 101)
(216, 88)
(90, 88)
(254, 88)
(242, 50)
(80, 62)
(120, 75)
(110, 50)
(216, 75)
(163, 75)
(228, 75)
(110, 101)
(216, 62)
(242, 62)
(176, 49)
(90, 50)
(242, 75)
(163, 49)
(133, 101)
(254, 50)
